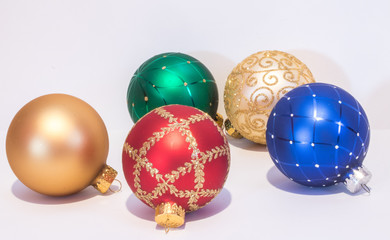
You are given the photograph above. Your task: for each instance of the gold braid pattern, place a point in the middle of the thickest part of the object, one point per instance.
(165, 183)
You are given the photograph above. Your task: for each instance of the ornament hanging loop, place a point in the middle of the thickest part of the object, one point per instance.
(120, 186)
(366, 188)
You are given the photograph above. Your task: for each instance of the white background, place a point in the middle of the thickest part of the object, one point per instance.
(90, 49)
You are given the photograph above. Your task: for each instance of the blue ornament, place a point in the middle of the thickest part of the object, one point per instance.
(318, 135)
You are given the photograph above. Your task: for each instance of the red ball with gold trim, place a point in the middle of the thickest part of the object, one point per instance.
(176, 159)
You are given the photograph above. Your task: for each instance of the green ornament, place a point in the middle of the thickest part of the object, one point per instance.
(171, 78)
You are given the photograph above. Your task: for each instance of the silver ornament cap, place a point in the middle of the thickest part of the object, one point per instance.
(357, 179)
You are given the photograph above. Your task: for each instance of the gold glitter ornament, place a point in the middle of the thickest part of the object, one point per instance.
(254, 87)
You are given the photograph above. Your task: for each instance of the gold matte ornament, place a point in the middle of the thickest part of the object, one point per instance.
(254, 87)
(57, 145)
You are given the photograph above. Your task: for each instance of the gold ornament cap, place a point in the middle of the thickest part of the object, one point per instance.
(169, 215)
(104, 179)
(230, 130)
(219, 120)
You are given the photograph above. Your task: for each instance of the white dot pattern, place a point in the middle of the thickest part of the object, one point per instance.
(345, 130)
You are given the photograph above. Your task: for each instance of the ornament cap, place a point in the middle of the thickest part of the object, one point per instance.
(219, 120)
(230, 130)
(104, 179)
(357, 179)
(169, 215)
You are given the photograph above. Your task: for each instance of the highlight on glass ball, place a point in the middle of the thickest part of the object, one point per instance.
(254, 87)
(172, 78)
(175, 159)
(318, 135)
(57, 145)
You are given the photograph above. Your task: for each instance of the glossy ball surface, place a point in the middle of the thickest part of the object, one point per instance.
(317, 133)
(171, 78)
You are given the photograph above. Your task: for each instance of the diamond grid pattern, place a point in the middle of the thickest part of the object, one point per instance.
(325, 137)
(159, 93)
(197, 195)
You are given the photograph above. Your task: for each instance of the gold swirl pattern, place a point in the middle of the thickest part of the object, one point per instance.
(261, 98)
(254, 87)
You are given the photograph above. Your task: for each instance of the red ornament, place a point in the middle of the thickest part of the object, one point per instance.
(176, 159)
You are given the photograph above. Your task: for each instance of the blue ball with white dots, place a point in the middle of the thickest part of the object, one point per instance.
(318, 135)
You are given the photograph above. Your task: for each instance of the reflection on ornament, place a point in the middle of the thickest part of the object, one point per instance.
(171, 78)
(254, 87)
(175, 159)
(318, 135)
(57, 145)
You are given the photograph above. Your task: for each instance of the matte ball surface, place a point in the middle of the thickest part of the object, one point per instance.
(171, 78)
(254, 87)
(57, 144)
(317, 133)
(176, 154)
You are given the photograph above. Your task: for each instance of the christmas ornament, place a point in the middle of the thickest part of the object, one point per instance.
(176, 160)
(318, 135)
(57, 145)
(172, 78)
(253, 88)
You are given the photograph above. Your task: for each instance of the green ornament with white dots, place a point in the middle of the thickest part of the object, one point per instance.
(171, 78)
